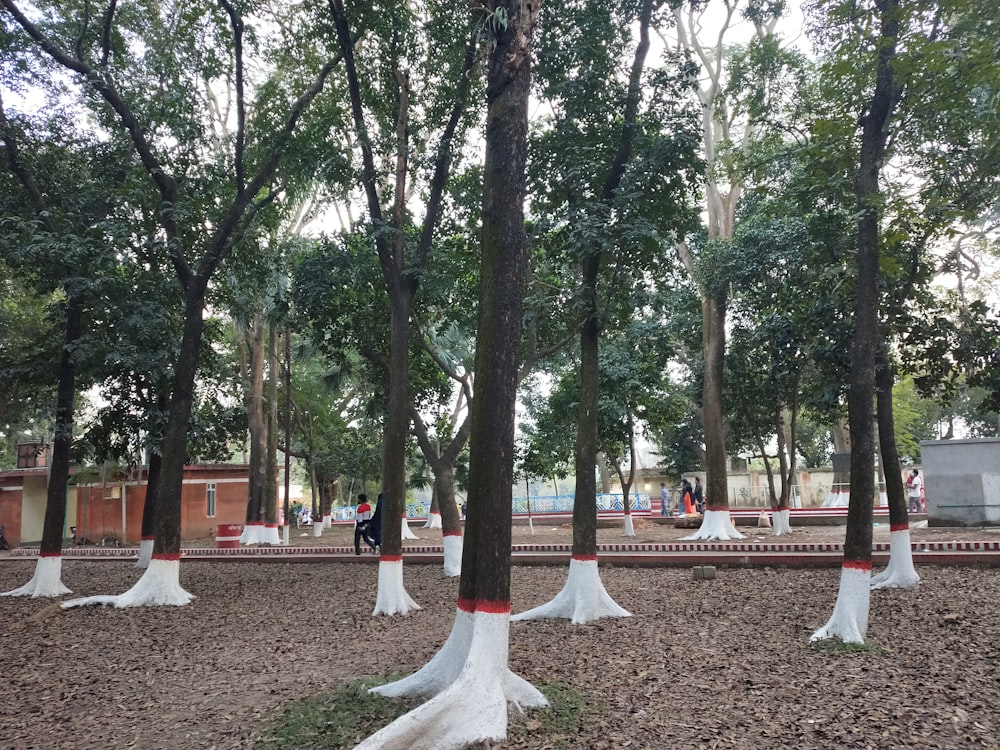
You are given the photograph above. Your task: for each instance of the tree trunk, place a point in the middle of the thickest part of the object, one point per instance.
(168, 517)
(861, 394)
(604, 472)
(900, 572)
(55, 499)
(254, 357)
(894, 488)
(585, 502)
(269, 497)
(397, 426)
(474, 678)
(485, 582)
(849, 621)
(152, 486)
(714, 341)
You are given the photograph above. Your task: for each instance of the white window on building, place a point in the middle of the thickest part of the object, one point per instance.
(210, 499)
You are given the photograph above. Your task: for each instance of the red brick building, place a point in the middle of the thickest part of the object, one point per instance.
(212, 494)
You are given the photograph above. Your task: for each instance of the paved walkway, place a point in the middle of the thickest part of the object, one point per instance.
(657, 543)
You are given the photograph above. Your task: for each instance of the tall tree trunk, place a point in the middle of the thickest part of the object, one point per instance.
(55, 498)
(587, 442)
(167, 544)
(900, 572)
(474, 678)
(397, 426)
(253, 355)
(714, 343)
(603, 472)
(485, 582)
(269, 497)
(849, 621)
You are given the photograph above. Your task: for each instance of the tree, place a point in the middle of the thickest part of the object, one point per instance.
(62, 246)
(469, 673)
(620, 187)
(401, 267)
(849, 621)
(137, 96)
(742, 97)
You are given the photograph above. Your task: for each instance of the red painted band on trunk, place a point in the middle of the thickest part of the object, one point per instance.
(862, 565)
(471, 606)
(148, 538)
(272, 525)
(255, 523)
(717, 508)
(583, 558)
(899, 527)
(452, 533)
(169, 556)
(390, 558)
(50, 554)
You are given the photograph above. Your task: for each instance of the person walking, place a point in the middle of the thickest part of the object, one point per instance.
(698, 496)
(664, 500)
(915, 487)
(362, 524)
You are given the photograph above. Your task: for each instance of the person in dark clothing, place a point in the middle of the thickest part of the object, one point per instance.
(698, 496)
(362, 524)
(375, 532)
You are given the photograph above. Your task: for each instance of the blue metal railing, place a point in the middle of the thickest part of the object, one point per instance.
(535, 504)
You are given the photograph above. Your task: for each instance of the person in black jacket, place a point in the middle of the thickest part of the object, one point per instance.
(698, 496)
(375, 531)
(363, 524)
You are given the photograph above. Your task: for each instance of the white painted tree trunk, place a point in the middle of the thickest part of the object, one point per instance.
(286, 533)
(159, 585)
(849, 621)
(46, 582)
(583, 598)
(899, 573)
(253, 533)
(453, 544)
(145, 552)
(407, 533)
(433, 521)
(317, 528)
(270, 535)
(780, 524)
(837, 498)
(392, 598)
(471, 687)
(716, 525)
(328, 521)
(629, 526)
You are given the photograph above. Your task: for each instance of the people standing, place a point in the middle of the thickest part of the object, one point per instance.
(362, 524)
(685, 505)
(664, 500)
(698, 496)
(915, 487)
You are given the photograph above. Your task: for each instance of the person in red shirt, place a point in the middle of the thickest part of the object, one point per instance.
(363, 524)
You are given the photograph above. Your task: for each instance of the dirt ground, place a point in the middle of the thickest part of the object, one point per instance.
(723, 663)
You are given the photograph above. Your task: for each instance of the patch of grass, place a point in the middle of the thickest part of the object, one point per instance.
(333, 719)
(836, 646)
(340, 718)
(554, 727)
